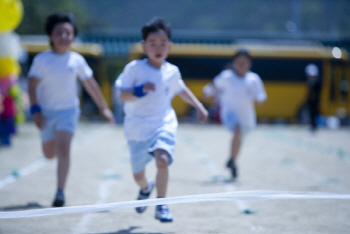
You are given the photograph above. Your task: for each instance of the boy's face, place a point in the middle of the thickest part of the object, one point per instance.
(157, 46)
(62, 37)
(241, 65)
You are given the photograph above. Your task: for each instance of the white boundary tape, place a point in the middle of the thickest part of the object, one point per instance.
(231, 196)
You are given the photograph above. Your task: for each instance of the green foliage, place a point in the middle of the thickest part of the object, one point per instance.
(36, 11)
(315, 16)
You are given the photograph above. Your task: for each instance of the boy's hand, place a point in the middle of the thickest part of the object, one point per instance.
(148, 87)
(108, 114)
(39, 120)
(202, 114)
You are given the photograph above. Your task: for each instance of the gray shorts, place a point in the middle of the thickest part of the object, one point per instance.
(61, 120)
(142, 152)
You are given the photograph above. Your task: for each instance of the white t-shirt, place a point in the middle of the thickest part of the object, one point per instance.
(146, 116)
(58, 73)
(238, 95)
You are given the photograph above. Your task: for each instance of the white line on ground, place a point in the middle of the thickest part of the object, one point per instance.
(103, 193)
(214, 173)
(37, 164)
(23, 172)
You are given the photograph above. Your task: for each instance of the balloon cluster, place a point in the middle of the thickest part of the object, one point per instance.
(11, 111)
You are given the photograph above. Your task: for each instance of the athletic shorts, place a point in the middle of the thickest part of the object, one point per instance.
(61, 120)
(230, 120)
(142, 152)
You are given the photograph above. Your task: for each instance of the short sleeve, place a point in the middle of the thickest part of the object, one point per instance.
(260, 93)
(218, 81)
(177, 85)
(125, 80)
(35, 70)
(83, 69)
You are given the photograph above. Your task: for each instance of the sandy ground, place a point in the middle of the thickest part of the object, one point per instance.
(286, 158)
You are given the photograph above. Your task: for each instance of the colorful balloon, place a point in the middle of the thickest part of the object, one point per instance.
(11, 13)
(9, 66)
(10, 45)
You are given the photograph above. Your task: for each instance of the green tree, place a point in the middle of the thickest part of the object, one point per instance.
(36, 11)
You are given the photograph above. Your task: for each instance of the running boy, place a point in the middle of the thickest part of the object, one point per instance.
(53, 94)
(147, 87)
(238, 90)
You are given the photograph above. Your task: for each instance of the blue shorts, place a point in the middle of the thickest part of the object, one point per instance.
(61, 120)
(230, 120)
(142, 152)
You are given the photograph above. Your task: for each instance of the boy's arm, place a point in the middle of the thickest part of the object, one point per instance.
(188, 97)
(95, 92)
(137, 92)
(127, 96)
(32, 84)
(34, 107)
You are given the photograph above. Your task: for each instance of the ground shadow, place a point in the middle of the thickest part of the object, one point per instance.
(28, 206)
(130, 231)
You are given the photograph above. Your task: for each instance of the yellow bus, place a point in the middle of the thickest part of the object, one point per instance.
(282, 69)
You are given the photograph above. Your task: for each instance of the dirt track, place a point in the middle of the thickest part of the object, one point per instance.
(284, 158)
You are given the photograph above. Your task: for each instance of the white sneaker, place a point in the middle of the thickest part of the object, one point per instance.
(163, 213)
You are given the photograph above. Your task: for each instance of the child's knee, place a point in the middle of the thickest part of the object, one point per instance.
(49, 155)
(162, 159)
(49, 151)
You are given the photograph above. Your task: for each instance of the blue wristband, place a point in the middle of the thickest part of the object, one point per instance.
(138, 91)
(34, 109)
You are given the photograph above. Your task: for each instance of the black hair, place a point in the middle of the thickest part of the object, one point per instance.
(242, 52)
(155, 25)
(59, 17)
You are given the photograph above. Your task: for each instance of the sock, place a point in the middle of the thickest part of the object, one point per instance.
(148, 189)
(60, 194)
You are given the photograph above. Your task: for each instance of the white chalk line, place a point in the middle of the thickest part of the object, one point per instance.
(103, 193)
(230, 196)
(34, 166)
(39, 163)
(241, 205)
(214, 173)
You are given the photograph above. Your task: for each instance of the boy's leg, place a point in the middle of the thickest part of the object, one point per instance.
(62, 143)
(140, 179)
(139, 158)
(48, 148)
(236, 142)
(146, 188)
(235, 147)
(162, 161)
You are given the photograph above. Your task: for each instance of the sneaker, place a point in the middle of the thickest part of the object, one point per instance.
(59, 199)
(234, 172)
(163, 214)
(231, 165)
(142, 195)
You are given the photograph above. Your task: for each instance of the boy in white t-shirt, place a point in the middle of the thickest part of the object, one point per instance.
(147, 87)
(238, 89)
(53, 94)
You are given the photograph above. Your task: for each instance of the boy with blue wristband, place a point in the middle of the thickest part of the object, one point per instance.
(53, 94)
(147, 87)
